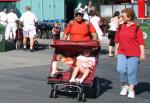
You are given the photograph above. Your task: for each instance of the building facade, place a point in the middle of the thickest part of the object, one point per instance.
(44, 9)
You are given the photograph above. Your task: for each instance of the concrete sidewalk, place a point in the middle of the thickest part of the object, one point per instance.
(23, 78)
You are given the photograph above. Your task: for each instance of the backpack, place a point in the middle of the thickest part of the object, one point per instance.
(136, 30)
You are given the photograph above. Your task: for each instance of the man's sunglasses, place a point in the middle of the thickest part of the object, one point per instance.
(79, 14)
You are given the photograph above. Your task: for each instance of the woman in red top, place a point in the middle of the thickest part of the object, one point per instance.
(129, 50)
(79, 29)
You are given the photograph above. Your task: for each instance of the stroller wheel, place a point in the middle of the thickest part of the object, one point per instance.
(79, 96)
(83, 97)
(36, 45)
(51, 93)
(54, 93)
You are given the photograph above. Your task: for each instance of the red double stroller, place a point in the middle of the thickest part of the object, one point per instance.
(62, 84)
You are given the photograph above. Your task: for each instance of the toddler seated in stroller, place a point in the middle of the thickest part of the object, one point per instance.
(61, 64)
(84, 65)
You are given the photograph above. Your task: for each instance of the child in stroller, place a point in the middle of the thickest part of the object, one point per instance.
(61, 64)
(84, 64)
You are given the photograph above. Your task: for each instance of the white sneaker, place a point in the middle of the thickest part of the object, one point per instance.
(77, 80)
(72, 80)
(131, 94)
(124, 90)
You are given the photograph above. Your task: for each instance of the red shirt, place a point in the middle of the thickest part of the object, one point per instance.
(129, 40)
(79, 32)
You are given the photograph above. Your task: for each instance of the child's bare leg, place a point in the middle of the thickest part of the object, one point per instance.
(54, 67)
(74, 74)
(85, 75)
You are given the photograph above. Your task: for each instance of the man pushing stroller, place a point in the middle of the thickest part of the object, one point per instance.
(29, 30)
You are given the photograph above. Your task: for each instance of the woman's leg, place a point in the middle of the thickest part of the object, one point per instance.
(111, 42)
(74, 74)
(121, 68)
(132, 74)
(110, 51)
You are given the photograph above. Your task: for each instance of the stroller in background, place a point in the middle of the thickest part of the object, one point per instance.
(19, 39)
(62, 84)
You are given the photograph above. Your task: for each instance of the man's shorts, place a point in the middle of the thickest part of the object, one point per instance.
(61, 66)
(29, 31)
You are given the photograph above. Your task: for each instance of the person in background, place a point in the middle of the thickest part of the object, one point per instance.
(29, 30)
(79, 29)
(129, 51)
(86, 16)
(3, 17)
(114, 24)
(84, 65)
(56, 31)
(11, 27)
(95, 20)
(90, 6)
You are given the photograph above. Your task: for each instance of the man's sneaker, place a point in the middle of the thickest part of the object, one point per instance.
(131, 94)
(25, 49)
(124, 90)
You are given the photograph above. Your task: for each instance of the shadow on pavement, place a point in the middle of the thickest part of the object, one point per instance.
(142, 87)
(42, 47)
(10, 45)
(104, 85)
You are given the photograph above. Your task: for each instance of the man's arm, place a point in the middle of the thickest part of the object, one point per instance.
(94, 36)
(65, 36)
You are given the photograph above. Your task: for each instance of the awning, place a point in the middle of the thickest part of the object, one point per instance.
(9, 0)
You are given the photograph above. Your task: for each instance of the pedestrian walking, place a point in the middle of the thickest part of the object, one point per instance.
(29, 30)
(3, 17)
(95, 20)
(11, 27)
(114, 23)
(129, 50)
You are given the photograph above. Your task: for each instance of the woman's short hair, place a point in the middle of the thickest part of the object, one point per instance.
(130, 13)
(117, 13)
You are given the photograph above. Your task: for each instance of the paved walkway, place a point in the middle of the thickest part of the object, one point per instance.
(23, 78)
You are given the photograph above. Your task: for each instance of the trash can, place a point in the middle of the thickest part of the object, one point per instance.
(146, 32)
(2, 38)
